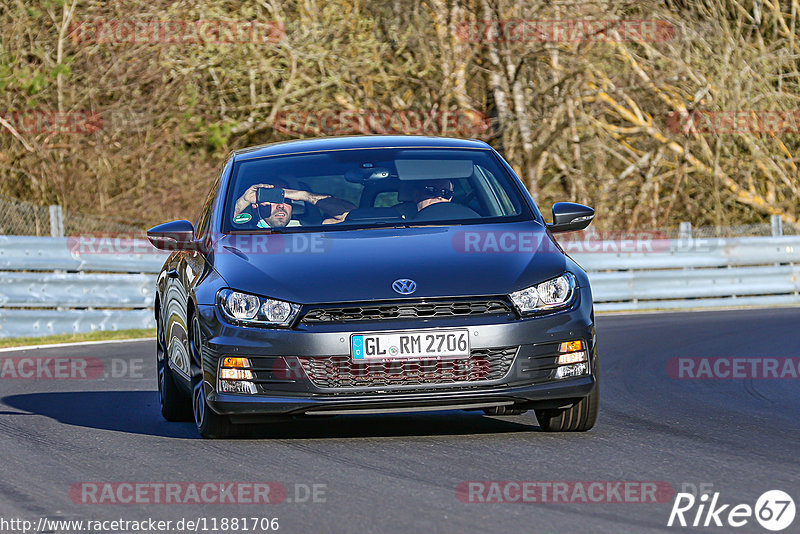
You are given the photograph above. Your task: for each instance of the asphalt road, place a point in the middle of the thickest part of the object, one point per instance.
(399, 473)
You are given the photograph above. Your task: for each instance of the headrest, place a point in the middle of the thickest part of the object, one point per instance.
(405, 193)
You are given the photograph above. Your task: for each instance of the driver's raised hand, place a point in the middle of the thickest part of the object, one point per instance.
(251, 195)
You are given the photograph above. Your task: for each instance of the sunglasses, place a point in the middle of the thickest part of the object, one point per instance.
(442, 192)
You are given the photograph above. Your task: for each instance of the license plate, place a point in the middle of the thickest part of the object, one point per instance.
(428, 345)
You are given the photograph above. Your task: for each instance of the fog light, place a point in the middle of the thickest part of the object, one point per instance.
(571, 346)
(236, 386)
(234, 375)
(572, 357)
(235, 362)
(576, 369)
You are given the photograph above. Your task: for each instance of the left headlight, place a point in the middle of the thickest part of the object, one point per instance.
(552, 294)
(245, 308)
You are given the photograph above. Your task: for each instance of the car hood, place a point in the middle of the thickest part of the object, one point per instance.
(361, 265)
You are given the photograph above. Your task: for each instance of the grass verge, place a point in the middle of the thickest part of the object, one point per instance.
(100, 335)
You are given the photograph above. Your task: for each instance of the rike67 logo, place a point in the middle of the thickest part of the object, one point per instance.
(774, 510)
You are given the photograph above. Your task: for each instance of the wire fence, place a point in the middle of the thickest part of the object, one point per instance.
(18, 217)
(23, 218)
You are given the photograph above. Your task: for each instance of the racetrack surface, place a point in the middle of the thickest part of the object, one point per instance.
(399, 473)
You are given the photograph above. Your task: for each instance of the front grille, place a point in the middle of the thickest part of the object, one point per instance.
(342, 372)
(404, 310)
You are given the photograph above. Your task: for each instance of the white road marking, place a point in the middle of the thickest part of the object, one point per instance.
(75, 344)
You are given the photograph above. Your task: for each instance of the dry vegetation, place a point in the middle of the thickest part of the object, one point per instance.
(581, 120)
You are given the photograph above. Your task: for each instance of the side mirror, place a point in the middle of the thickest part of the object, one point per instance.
(569, 217)
(175, 235)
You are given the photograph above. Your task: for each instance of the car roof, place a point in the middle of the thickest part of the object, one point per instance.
(355, 142)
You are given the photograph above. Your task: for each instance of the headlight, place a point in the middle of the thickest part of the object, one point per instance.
(552, 294)
(241, 305)
(252, 309)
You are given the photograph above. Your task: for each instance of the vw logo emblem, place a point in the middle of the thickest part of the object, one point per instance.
(404, 286)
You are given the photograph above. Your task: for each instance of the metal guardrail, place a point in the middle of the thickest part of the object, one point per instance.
(76, 290)
(23, 253)
(30, 322)
(690, 273)
(53, 286)
(688, 253)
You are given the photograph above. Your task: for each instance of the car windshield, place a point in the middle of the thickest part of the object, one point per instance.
(363, 188)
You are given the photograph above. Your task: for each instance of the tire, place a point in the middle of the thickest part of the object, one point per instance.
(210, 424)
(580, 417)
(175, 405)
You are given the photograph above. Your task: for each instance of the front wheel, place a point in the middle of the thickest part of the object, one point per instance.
(210, 424)
(579, 417)
(175, 405)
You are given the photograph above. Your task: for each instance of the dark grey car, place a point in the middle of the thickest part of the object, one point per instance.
(370, 275)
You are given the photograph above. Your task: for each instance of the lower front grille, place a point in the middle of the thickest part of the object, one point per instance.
(342, 372)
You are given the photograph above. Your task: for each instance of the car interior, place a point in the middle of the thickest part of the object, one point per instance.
(383, 191)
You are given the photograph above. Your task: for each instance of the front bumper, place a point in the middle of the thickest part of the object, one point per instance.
(553, 395)
(528, 382)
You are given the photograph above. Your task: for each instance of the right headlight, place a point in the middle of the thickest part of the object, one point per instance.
(555, 293)
(245, 308)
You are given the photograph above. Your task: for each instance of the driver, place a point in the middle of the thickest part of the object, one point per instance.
(280, 215)
(432, 192)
